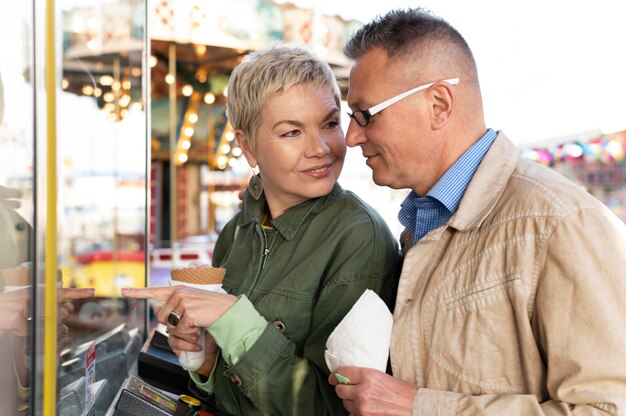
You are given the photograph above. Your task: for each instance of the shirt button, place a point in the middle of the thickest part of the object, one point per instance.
(235, 380)
(280, 326)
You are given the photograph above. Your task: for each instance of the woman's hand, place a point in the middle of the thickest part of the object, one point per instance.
(196, 308)
(180, 342)
(16, 311)
(10, 197)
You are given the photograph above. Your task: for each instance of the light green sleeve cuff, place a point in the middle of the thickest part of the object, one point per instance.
(237, 330)
(207, 385)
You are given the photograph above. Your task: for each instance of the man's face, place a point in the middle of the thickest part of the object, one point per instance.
(396, 143)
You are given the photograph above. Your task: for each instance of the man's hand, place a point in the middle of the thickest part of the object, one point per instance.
(371, 392)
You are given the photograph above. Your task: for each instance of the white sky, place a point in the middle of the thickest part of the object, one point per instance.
(549, 69)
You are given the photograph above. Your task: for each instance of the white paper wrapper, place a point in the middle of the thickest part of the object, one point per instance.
(14, 288)
(363, 337)
(192, 360)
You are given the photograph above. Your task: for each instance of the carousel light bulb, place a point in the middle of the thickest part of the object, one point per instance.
(230, 136)
(237, 151)
(124, 100)
(209, 98)
(169, 78)
(225, 148)
(189, 131)
(193, 118)
(187, 90)
(153, 61)
(182, 157)
(106, 80)
(185, 144)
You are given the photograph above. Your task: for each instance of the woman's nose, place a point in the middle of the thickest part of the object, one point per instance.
(317, 145)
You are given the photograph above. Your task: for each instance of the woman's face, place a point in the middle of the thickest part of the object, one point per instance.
(300, 146)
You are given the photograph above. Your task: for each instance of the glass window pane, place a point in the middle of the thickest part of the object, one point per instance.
(16, 206)
(102, 144)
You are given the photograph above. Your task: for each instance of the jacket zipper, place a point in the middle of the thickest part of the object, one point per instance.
(266, 251)
(268, 247)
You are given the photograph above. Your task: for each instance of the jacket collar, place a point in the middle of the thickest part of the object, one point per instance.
(487, 185)
(290, 221)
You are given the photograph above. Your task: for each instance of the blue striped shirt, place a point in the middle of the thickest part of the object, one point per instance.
(420, 215)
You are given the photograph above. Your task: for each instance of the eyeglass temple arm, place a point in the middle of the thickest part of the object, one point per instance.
(393, 100)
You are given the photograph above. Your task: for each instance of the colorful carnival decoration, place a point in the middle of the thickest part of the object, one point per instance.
(610, 148)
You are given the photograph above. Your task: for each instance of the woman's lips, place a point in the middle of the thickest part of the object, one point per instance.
(319, 172)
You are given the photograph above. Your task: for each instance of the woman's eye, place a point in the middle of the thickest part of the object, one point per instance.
(291, 133)
(332, 124)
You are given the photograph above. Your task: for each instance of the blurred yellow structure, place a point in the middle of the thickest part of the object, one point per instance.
(106, 271)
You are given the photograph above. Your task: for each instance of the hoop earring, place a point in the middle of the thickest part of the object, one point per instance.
(255, 186)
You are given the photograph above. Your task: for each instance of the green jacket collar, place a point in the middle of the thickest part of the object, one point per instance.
(288, 223)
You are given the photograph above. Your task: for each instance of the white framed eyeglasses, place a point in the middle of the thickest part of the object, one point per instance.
(363, 117)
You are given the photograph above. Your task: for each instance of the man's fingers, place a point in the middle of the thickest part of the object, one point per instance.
(154, 293)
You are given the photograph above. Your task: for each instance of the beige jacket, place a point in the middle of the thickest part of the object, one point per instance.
(516, 306)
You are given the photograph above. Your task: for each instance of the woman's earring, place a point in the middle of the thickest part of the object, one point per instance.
(255, 186)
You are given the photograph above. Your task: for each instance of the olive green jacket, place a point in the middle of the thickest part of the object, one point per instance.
(302, 276)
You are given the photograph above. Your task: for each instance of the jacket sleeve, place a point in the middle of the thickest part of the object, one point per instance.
(279, 379)
(580, 319)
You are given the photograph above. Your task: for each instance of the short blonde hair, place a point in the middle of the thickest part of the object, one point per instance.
(267, 72)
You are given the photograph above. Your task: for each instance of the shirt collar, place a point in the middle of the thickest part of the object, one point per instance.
(450, 188)
(290, 221)
(452, 185)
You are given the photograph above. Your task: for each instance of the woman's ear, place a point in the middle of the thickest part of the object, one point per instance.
(244, 144)
(442, 104)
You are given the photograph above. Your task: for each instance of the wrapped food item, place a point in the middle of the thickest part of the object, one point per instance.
(200, 276)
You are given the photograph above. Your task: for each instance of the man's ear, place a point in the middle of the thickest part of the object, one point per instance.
(442, 99)
(244, 144)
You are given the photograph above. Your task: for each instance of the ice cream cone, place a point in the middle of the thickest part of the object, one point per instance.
(17, 276)
(201, 274)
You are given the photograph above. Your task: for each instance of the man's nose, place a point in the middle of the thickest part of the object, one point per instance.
(355, 134)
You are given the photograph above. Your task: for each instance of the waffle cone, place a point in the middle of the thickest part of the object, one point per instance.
(199, 275)
(17, 276)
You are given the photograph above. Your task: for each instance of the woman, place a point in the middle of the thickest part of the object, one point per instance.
(298, 255)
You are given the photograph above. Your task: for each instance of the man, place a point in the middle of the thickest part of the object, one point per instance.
(512, 297)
